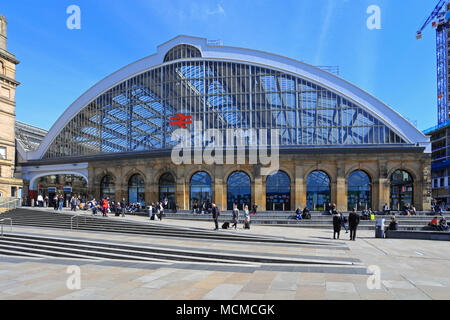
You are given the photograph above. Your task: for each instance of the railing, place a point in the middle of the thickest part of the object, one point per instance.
(9, 203)
(76, 217)
(3, 220)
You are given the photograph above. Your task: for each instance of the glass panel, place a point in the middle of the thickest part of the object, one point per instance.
(359, 191)
(136, 190)
(318, 192)
(402, 190)
(167, 190)
(278, 192)
(201, 190)
(238, 190)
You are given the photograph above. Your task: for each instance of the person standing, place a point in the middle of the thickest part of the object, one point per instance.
(235, 218)
(55, 202)
(105, 206)
(344, 222)
(246, 217)
(337, 223)
(353, 221)
(161, 211)
(60, 202)
(123, 207)
(215, 215)
(40, 201)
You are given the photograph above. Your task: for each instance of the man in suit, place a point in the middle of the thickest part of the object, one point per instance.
(215, 215)
(353, 221)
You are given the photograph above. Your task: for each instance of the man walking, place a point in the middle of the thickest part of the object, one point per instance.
(215, 215)
(353, 221)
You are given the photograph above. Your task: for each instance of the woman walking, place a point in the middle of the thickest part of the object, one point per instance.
(246, 218)
(337, 223)
(235, 216)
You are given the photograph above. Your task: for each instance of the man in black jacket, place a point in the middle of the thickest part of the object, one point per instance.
(353, 221)
(215, 215)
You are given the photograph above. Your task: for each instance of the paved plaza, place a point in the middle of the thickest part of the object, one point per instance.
(409, 269)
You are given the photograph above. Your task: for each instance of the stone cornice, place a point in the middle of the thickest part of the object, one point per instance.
(8, 79)
(9, 56)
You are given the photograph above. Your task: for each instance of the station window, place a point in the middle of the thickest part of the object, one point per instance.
(3, 153)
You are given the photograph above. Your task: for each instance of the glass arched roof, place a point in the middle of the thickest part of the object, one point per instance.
(133, 114)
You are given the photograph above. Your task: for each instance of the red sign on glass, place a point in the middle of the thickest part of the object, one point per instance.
(181, 120)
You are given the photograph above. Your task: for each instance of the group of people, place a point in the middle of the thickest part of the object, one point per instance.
(439, 224)
(303, 215)
(339, 221)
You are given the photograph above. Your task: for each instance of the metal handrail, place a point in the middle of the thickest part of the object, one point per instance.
(10, 221)
(76, 216)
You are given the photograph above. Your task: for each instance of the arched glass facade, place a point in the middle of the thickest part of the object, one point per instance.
(135, 114)
(167, 190)
(359, 191)
(136, 190)
(239, 190)
(278, 192)
(201, 189)
(402, 189)
(108, 188)
(318, 191)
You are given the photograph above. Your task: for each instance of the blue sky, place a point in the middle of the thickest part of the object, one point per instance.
(58, 65)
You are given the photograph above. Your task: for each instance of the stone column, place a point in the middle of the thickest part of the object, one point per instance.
(426, 185)
(383, 186)
(220, 188)
(299, 189)
(258, 194)
(340, 192)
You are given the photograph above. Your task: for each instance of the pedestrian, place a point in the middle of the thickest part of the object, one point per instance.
(73, 204)
(161, 211)
(344, 221)
(105, 206)
(235, 218)
(298, 213)
(46, 201)
(40, 200)
(246, 217)
(123, 207)
(55, 202)
(60, 202)
(254, 209)
(353, 222)
(215, 214)
(337, 223)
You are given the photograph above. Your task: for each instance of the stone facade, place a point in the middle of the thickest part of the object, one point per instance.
(8, 84)
(379, 167)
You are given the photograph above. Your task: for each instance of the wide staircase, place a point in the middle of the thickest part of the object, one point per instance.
(318, 219)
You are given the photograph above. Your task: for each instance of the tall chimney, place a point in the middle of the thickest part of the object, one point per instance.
(3, 37)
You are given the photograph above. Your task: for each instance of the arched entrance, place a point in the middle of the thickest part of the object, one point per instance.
(167, 190)
(136, 190)
(108, 187)
(239, 190)
(402, 189)
(359, 191)
(318, 191)
(278, 192)
(67, 185)
(201, 189)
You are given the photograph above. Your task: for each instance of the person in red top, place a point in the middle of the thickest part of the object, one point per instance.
(434, 222)
(105, 206)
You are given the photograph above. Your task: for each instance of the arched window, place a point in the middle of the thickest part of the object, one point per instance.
(182, 51)
(359, 191)
(136, 190)
(318, 191)
(402, 189)
(201, 189)
(107, 188)
(278, 192)
(167, 190)
(239, 190)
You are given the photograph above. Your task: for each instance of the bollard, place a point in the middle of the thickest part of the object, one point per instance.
(379, 228)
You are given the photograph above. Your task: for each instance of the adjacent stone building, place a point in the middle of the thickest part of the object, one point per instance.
(9, 185)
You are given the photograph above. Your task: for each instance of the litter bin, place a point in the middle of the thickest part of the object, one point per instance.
(379, 228)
